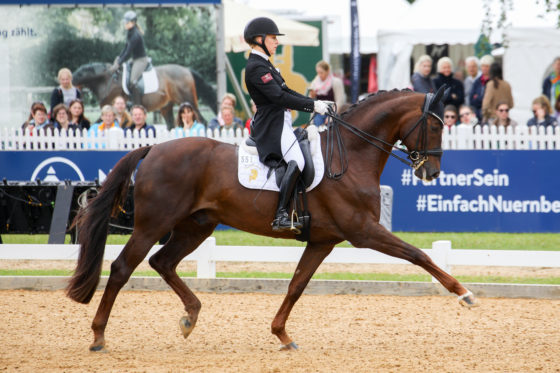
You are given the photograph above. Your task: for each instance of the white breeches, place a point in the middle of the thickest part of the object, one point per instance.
(289, 145)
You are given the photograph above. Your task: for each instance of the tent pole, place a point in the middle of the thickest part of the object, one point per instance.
(237, 87)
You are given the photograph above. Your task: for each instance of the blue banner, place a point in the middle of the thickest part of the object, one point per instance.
(486, 191)
(355, 62)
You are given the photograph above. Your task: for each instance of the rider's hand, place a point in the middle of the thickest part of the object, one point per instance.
(321, 107)
(115, 67)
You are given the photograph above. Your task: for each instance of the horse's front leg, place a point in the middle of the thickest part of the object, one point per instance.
(378, 238)
(312, 257)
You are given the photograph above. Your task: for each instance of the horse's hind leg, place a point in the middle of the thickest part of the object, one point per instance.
(185, 238)
(133, 253)
(312, 257)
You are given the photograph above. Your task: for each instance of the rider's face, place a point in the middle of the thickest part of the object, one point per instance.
(129, 25)
(271, 43)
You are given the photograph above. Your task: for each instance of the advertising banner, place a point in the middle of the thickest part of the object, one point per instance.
(477, 191)
(486, 191)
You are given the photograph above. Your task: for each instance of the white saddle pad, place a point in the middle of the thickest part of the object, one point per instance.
(252, 173)
(151, 83)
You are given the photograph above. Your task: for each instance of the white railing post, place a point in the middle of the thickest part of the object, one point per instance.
(440, 255)
(205, 264)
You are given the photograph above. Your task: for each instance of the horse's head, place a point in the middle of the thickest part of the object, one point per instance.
(90, 73)
(422, 136)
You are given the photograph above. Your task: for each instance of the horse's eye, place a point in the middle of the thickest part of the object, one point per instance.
(435, 128)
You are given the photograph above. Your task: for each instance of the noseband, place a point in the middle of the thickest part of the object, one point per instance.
(417, 157)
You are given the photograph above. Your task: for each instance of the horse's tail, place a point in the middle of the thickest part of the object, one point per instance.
(205, 91)
(93, 226)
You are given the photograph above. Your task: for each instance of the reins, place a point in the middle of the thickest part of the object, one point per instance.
(417, 158)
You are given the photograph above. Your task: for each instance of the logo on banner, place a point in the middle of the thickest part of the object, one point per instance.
(57, 168)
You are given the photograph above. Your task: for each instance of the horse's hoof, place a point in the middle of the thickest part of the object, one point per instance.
(186, 326)
(98, 348)
(468, 300)
(292, 346)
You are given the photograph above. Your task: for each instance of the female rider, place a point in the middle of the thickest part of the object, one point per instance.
(272, 123)
(134, 47)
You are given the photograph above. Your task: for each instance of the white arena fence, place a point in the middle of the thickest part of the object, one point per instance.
(208, 253)
(460, 137)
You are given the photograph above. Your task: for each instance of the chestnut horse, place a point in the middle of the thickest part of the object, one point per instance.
(190, 185)
(177, 84)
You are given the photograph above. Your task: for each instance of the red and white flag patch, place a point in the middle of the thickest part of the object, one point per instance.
(266, 78)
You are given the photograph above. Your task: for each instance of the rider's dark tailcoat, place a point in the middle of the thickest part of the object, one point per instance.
(272, 97)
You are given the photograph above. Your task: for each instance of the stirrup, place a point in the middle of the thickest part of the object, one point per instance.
(293, 228)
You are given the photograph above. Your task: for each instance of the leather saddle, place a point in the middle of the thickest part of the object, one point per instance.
(128, 70)
(308, 173)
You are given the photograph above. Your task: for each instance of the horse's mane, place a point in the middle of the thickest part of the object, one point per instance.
(377, 96)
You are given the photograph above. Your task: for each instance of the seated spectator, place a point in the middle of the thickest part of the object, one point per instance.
(77, 116)
(421, 81)
(450, 116)
(61, 119)
(121, 115)
(479, 85)
(187, 123)
(65, 92)
(107, 122)
(139, 115)
(467, 116)
(471, 65)
(38, 118)
(551, 84)
(497, 90)
(227, 116)
(542, 113)
(445, 76)
(501, 116)
(228, 100)
(250, 120)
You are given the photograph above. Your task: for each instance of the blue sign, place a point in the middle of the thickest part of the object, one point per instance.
(486, 191)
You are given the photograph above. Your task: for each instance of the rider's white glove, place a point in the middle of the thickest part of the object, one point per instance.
(320, 107)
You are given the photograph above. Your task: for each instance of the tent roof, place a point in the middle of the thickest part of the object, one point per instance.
(373, 14)
(237, 15)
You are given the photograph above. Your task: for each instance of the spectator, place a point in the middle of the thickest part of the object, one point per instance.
(65, 92)
(139, 115)
(121, 115)
(250, 120)
(450, 116)
(230, 121)
(325, 86)
(471, 65)
(445, 76)
(467, 116)
(497, 90)
(38, 118)
(228, 100)
(501, 117)
(479, 85)
(557, 108)
(421, 81)
(107, 121)
(551, 85)
(61, 119)
(77, 116)
(542, 113)
(187, 123)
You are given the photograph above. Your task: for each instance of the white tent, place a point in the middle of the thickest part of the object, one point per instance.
(444, 22)
(238, 15)
(373, 14)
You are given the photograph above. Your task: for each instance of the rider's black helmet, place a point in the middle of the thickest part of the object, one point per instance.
(260, 26)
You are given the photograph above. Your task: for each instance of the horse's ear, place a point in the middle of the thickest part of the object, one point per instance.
(439, 95)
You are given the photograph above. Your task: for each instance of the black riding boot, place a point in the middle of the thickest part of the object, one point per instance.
(283, 222)
(135, 95)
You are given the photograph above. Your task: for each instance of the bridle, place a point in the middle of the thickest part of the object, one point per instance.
(417, 157)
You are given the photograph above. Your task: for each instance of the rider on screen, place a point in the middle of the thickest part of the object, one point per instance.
(134, 48)
(272, 123)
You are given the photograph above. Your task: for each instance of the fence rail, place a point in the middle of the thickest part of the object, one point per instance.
(460, 137)
(208, 253)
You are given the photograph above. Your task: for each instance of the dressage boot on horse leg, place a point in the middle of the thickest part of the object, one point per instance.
(282, 221)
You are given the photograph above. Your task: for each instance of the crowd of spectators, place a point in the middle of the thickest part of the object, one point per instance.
(483, 97)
